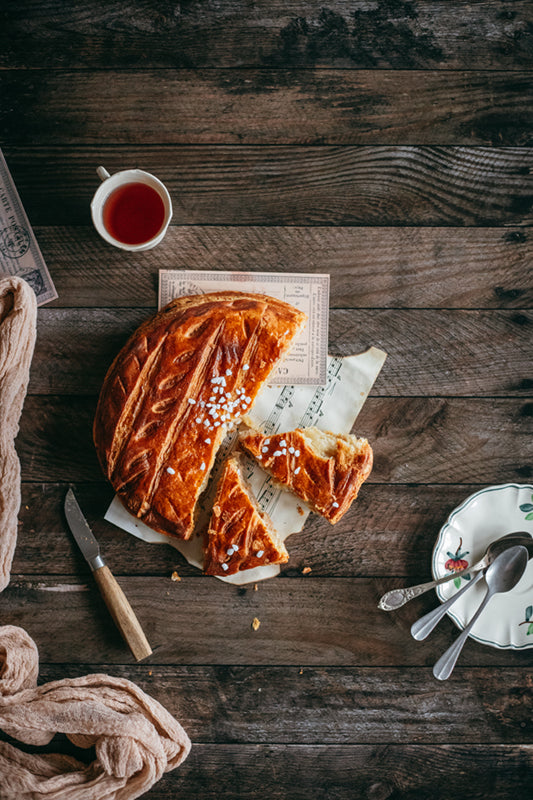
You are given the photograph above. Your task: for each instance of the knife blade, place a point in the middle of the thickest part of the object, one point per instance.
(114, 598)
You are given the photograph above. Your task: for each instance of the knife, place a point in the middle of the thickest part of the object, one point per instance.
(114, 598)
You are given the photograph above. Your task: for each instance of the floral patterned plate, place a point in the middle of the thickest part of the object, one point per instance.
(486, 515)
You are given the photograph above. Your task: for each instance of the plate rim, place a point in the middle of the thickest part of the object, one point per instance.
(449, 521)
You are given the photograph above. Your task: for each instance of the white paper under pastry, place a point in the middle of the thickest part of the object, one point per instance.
(332, 407)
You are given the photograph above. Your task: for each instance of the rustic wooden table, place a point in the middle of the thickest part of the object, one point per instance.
(388, 143)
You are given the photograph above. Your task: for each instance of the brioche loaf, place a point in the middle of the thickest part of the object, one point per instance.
(324, 469)
(183, 378)
(239, 536)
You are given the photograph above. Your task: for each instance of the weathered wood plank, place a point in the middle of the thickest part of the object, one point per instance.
(415, 440)
(376, 772)
(340, 772)
(451, 440)
(390, 531)
(130, 85)
(290, 185)
(335, 705)
(369, 267)
(453, 353)
(200, 620)
(266, 107)
(300, 33)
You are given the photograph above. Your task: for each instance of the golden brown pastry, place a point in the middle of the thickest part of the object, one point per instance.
(324, 469)
(183, 378)
(240, 536)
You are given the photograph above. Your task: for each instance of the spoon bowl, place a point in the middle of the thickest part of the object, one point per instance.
(501, 575)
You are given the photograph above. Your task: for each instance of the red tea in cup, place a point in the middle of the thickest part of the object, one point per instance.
(134, 213)
(131, 209)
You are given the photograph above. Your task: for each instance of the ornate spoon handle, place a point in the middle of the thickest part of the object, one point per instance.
(396, 598)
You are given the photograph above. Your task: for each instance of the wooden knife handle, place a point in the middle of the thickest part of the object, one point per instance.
(122, 613)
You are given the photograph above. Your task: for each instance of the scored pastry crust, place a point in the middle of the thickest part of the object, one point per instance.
(183, 378)
(324, 469)
(239, 536)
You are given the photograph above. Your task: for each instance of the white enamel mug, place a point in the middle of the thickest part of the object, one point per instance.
(108, 186)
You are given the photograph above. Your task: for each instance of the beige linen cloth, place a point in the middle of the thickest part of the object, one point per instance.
(18, 313)
(135, 739)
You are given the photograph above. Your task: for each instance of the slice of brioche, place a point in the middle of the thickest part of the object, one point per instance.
(323, 469)
(240, 536)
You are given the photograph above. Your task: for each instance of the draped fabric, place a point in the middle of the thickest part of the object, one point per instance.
(18, 314)
(135, 739)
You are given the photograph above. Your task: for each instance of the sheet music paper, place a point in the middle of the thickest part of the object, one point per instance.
(334, 407)
(19, 252)
(306, 363)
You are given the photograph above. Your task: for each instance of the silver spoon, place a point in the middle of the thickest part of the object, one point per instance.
(501, 576)
(423, 626)
(396, 598)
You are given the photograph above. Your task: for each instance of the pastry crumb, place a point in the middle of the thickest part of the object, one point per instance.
(150, 674)
(306, 570)
(255, 587)
(299, 509)
(175, 576)
(256, 623)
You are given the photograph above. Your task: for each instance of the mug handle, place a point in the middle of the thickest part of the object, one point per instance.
(102, 173)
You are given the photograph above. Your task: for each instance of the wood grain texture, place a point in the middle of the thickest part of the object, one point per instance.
(372, 772)
(300, 33)
(337, 705)
(389, 532)
(387, 142)
(369, 267)
(435, 353)
(415, 440)
(340, 107)
(317, 771)
(201, 620)
(404, 185)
